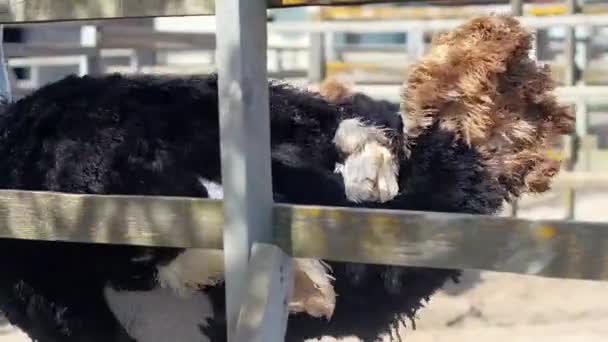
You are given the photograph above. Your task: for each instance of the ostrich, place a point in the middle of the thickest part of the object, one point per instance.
(476, 115)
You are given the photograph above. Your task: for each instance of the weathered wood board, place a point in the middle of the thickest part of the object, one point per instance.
(12, 11)
(565, 249)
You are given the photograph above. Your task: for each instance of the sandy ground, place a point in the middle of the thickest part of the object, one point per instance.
(497, 307)
(8, 333)
(507, 307)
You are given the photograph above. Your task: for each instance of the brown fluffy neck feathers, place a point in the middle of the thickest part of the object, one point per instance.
(479, 82)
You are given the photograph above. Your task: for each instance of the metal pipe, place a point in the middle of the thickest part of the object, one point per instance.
(379, 26)
(244, 142)
(5, 84)
(517, 7)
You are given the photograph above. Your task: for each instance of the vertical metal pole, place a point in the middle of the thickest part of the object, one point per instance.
(316, 61)
(542, 44)
(517, 7)
(588, 142)
(330, 46)
(245, 140)
(570, 48)
(514, 208)
(582, 132)
(5, 84)
(134, 65)
(146, 56)
(415, 44)
(582, 118)
(569, 80)
(91, 36)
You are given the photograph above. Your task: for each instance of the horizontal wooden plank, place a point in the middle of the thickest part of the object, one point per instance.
(53, 10)
(137, 220)
(178, 69)
(142, 37)
(190, 69)
(549, 248)
(41, 50)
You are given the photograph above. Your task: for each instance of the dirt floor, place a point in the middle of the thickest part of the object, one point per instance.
(506, 307)
(494, 307)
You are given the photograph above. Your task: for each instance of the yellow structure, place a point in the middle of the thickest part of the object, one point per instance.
(390, 12)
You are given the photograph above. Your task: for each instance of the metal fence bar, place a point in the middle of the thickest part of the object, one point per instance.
(5, 84)
(383, 26)
(44, 50)
(570, 80)
(93, 62)
(517, 9)
(317, 58)
(245, 143)
(372, 26)
(269, 286)
(592, 95)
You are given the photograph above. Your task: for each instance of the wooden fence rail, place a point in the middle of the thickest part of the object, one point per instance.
(540, 247)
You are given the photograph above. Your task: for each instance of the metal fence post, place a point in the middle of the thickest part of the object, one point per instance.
(517, 9)
(245, 148)
(5, 84)
(317, 59)
(570, 80)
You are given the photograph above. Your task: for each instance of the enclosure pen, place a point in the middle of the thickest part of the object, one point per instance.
(259, 237)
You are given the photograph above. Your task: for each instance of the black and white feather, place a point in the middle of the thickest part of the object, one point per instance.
(159, 136)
